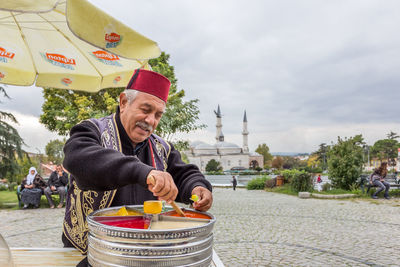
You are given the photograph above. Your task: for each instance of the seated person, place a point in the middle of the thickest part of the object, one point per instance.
(57, 182)
(32, 188)
(378, 179)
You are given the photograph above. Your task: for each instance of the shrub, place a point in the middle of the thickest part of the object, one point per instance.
(270, 183)
(3, 187)
(302, 181)
(257, 183)
(12, 186)
(345, 161)
(213, 166)
(289, 174)
(326, 187)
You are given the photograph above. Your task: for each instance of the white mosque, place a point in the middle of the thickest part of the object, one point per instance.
(229, 155)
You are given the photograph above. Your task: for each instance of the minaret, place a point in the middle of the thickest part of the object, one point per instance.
(219, 123)
(245, 134)
(221, 137)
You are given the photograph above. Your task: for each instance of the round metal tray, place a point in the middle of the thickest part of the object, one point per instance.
(118, 246)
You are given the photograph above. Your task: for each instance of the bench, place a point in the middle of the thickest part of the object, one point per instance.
(19, 192)
(390, 178)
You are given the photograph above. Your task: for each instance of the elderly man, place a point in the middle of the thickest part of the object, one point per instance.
(111, 159)
(57, 182)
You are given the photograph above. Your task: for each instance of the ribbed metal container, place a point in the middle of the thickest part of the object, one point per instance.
(117, 246)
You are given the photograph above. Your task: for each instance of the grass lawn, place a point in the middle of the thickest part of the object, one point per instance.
(9, 200)
(284, 189)
(8, 197)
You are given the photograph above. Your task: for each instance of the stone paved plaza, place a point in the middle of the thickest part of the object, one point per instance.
(257, 228)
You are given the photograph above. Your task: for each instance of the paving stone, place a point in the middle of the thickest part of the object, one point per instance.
(257, 228)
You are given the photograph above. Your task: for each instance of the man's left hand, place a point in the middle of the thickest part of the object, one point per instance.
(205, 198)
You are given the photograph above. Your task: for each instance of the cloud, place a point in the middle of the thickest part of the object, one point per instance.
(34, 134)
(305, 71)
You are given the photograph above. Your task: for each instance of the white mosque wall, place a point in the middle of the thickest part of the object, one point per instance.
(228, 151)
(226, 161)
(205, 152)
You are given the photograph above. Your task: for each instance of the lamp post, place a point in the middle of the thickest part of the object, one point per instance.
(366, 149)
(40, 160)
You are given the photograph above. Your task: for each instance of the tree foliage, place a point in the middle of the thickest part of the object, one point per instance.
(54, 151)
(263, 149)
(293, 163)
(321, 156)
(63, 109)
(301, 182)
(386, 149)
(10, 144)
(213, 166)
(345, 161)
(277, 162)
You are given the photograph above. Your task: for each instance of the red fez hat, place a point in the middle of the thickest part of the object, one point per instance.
(150, 82)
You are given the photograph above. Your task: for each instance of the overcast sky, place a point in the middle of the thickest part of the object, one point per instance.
(305, 71)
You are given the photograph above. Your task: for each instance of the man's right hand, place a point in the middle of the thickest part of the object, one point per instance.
(164, 187)
(53, 188)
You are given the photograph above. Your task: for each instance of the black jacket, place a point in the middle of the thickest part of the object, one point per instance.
(56, 180)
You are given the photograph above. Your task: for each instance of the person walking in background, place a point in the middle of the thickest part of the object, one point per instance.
(57, 182)
(234, 182)
(378, 179)
(319, 180)
(32, 188)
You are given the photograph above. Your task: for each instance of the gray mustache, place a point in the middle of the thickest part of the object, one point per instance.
(144, 125)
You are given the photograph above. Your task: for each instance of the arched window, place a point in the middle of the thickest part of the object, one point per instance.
(253, 164)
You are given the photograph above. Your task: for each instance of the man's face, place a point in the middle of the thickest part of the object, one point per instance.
(58, 169)
(141, 117)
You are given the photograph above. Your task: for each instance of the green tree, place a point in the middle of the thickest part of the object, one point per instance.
(345, 161)
(63, 109)
(385, 149)
(321, 156)
(213, 166)
(277, 162)
(10, 144)
(263, 149)
(293, 163)
(392, 135)
(54, 151)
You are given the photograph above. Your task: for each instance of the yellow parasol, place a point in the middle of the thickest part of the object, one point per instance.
(99, 29)
(37, 46)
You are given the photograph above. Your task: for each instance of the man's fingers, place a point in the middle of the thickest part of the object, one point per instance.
(162, 185)
(165, 190)
(158, 187)
(205, 199)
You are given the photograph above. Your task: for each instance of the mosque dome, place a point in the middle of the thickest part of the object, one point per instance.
(195, 143)
(225, 145)
(204, 146)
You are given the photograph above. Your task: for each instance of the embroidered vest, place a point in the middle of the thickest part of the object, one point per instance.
(81, 203)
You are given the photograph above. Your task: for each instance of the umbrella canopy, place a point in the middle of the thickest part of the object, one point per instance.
(40, 47)
(98, 28)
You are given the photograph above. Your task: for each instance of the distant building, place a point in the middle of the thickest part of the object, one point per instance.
(229, 155)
